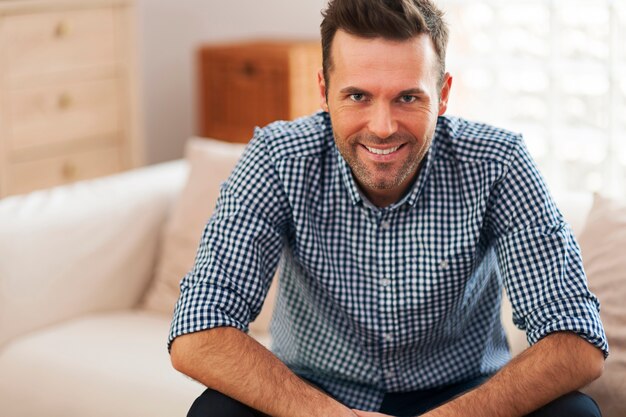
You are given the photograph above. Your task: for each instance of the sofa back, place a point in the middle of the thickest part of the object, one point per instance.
(81, 248)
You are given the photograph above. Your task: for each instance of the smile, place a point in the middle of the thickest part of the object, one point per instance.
(382, 151)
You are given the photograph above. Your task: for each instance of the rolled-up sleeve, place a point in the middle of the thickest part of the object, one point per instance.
(239, 250)
(539, 258)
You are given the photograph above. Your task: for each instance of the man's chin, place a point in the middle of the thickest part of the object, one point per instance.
(379, 184)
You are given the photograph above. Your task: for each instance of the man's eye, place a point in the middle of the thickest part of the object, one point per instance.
(357, 97)
(408, 99)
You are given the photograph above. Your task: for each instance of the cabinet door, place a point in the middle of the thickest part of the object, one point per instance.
(240, 93)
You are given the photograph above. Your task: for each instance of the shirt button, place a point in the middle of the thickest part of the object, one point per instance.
(389, 374)
(388, 337)
(444, 264)
(385, 282)
(385, 225)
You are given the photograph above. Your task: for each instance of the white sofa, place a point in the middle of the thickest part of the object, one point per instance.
(75, 262)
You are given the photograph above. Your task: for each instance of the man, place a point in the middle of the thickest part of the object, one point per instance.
(397, 227)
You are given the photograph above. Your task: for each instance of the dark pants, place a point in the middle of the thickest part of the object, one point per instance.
(575, 404)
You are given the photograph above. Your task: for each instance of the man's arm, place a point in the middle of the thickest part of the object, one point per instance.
(229, 361)
(556, 365)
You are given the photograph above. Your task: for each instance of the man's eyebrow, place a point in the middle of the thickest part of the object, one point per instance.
(353, 90)
(412, 91)
(356, 90)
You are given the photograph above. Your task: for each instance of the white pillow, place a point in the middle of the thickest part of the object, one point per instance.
(211, 162)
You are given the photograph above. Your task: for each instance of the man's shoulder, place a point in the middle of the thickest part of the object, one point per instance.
(305, 137)
(468, 141)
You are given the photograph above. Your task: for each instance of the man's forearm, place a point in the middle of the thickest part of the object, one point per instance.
(229, 361)
(557, 364)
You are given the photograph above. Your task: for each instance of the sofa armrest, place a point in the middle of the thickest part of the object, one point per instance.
(81, 248)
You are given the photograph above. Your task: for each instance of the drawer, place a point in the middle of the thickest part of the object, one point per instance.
(254, 83)
(23, 177)
(49, 116)
(58, 41)
(231, 80)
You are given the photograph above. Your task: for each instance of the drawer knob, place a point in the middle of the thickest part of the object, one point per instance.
(68, 171)
(61, 30)
(64, 101)
(248, 69)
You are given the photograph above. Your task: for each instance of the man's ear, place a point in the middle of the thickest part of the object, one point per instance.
(322, 86)
(444, 94)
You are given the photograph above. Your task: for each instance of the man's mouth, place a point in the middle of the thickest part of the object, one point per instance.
(386, 151)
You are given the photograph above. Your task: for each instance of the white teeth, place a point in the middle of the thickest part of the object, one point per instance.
(382, 151)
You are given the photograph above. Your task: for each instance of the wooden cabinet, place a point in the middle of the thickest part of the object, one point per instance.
(68, 105)
(251, 84)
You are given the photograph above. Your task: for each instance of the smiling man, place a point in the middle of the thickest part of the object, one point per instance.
(398, 227)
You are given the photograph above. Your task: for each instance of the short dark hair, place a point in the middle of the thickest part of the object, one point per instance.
(389, 19)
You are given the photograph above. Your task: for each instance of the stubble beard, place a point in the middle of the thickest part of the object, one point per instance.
(363, 174)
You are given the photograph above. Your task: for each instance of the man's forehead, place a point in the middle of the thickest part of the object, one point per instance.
(359, 60)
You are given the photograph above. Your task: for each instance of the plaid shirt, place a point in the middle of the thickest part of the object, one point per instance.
(407, 297)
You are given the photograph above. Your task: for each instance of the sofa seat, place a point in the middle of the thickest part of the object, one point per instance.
(83, 357)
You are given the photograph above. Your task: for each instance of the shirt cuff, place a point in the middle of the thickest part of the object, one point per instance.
(205, 307)
(578, 315)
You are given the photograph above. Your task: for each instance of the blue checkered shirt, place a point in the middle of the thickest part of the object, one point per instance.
(407, 297)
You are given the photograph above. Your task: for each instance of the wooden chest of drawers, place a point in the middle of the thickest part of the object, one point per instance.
(68, 106)
(251, 84)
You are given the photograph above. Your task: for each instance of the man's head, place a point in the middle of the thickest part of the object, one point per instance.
(387, 19)
(384, 87)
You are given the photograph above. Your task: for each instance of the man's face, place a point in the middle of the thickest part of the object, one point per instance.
(383, 100)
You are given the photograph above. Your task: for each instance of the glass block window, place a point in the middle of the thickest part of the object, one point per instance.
(554, 70)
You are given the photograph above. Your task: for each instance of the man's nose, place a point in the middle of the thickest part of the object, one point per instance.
(382, 122)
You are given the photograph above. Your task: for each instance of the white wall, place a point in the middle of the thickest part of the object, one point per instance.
(169, 33)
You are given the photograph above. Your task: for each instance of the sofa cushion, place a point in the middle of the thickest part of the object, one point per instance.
(210, 164)
(603, 245)
(116, 361)
(86, 247)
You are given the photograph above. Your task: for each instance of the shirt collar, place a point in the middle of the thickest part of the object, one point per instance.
(348, 179)
(418, 186)
(416, 189)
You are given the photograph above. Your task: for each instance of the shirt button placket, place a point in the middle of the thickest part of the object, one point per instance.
(386, 299)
